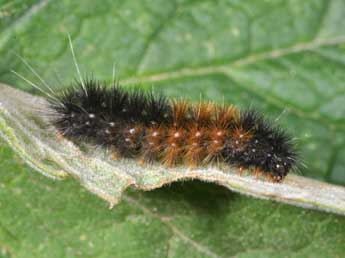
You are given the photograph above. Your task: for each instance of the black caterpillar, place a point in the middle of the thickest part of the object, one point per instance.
(141, 125)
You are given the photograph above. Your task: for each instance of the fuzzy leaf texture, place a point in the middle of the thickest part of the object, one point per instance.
(272, 55)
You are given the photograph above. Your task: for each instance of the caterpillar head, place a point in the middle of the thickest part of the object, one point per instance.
(276, 154)
(257, 144)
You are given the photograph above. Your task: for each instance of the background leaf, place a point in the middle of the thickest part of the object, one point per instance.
(273, 55)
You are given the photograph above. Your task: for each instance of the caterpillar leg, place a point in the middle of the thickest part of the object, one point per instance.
(257, 172)
(115, 155)
(269, 177)
(59, 136)
(241, 171)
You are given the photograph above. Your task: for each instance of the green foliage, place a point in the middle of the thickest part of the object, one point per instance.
(273, 55)
(44, 218)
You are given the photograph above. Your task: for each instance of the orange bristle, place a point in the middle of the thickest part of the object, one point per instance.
(203, 113)
(196, 147)
(181, 113)
(173, 152)
(216, 143)
(225, 115)
(154, 137)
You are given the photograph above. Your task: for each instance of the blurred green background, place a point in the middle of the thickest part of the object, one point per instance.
(285, 58)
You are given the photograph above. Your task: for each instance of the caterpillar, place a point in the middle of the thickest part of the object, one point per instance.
(152, 128)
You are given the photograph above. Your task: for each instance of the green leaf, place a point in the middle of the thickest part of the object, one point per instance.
(273, 55)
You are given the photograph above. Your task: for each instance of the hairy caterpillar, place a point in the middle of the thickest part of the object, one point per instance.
(141, 125)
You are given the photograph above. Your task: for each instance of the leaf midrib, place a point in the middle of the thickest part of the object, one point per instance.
(223, 68)
(241, 62)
